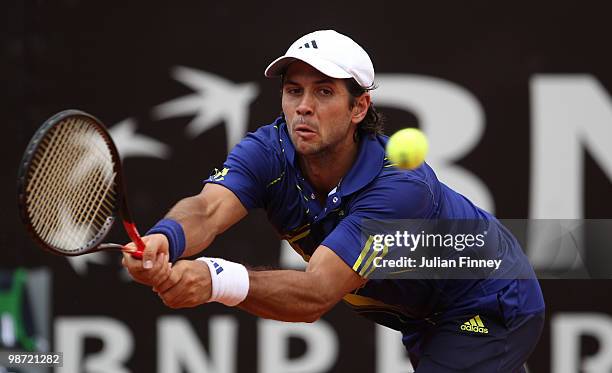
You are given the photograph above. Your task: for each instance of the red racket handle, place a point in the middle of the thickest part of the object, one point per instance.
(131, 230)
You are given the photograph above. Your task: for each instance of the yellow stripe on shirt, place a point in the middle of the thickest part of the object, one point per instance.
(382, 255)
(364, 251)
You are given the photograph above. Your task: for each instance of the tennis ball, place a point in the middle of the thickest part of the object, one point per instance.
(407, 148)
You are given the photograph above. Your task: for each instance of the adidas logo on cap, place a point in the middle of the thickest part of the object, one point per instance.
(333, 54)
(474, 325)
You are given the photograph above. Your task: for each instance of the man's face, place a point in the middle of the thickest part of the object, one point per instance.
(317, 111)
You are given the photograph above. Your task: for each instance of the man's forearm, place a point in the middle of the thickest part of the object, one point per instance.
(192, 213)
(287, 295)
(206, 215)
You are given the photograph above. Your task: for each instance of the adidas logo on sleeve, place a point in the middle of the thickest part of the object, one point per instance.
(475, 325)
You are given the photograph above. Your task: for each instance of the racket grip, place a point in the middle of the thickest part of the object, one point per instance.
(131, 230)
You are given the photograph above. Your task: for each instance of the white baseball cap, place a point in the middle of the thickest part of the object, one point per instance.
(330, 52)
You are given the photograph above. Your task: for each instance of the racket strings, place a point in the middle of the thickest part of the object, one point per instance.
(71, 191)
(53, 164)
(48, 187)
(90, 202)
(66, 217)
(102, 184)
(99, 181)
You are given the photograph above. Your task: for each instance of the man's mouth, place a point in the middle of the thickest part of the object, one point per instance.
(303, 129)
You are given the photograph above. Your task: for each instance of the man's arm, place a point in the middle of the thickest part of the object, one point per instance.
(287, 295)
(284, 295)
(206, 215)
(202, 217)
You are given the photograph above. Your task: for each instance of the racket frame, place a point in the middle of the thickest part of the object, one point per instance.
(95, 244)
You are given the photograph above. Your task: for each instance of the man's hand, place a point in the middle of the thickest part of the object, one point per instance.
(188, 285)
(154, 267)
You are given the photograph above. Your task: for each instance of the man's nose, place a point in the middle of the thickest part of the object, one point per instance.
(306, 105)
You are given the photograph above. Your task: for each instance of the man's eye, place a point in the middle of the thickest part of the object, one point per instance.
(293, 91)
(326, 92)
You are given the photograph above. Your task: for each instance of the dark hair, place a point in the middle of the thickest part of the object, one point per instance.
(373, 122)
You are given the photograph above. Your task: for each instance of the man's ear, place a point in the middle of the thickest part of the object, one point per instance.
(360, 109)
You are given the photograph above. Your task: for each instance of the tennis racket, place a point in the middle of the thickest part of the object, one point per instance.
(70, 187)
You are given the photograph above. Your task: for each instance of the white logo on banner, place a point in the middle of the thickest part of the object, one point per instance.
(567, 330)
(180, 348)
(80, 264)
(117, 344)
(216, 100)
(132, 144)
(571, 115)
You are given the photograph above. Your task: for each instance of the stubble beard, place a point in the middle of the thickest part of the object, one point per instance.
(313, 149)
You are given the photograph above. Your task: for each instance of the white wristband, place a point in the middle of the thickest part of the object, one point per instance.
(230, 281)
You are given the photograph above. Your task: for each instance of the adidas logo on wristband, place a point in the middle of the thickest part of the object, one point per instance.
(233, 287)
(218, 268)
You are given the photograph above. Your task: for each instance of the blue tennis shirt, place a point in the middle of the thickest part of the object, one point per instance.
(263, 172)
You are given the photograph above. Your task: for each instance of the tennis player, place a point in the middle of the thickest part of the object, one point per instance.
(318, 170)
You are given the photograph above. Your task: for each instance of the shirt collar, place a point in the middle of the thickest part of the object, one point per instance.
(286, 143)
(367, 166)
(369, 162)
